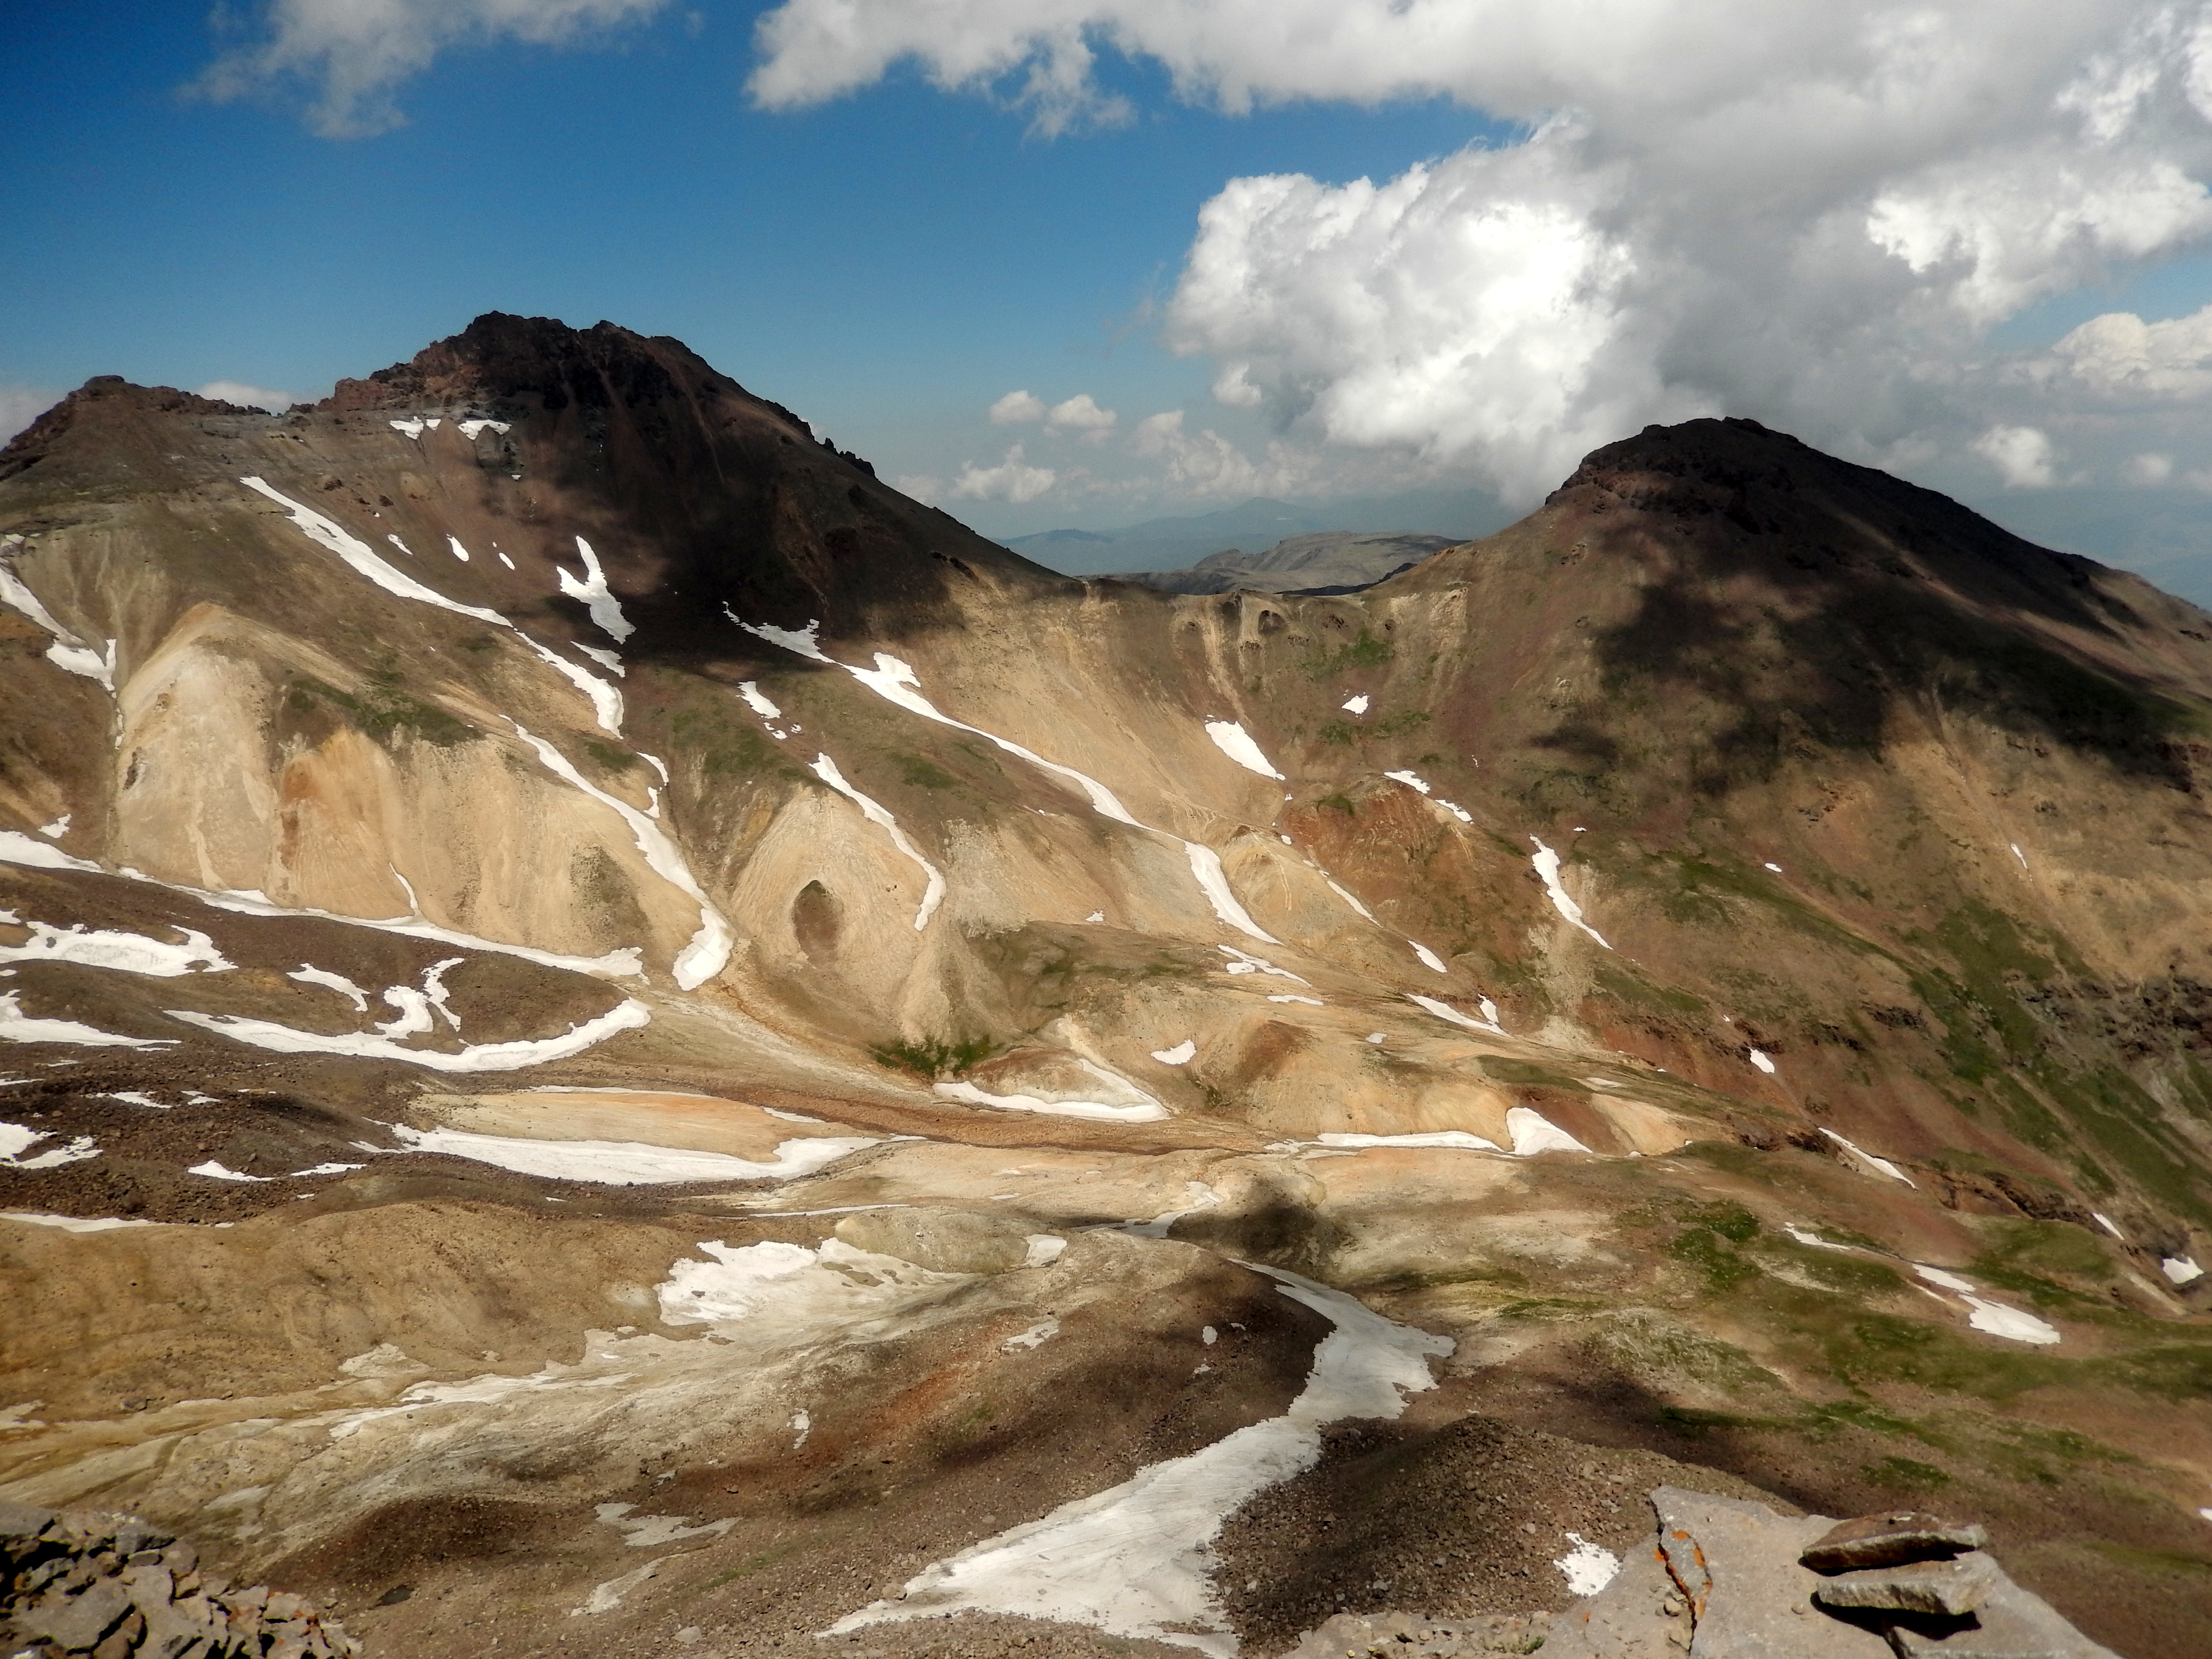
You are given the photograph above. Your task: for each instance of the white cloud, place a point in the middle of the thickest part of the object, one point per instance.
(1012, 480)
(20, 405)
(1208, 463)
(1080, 413)
(1804, 211)
(357, 52)
(2021, 455)
(253, 397)
(2148, 468)
(2120, 355)
(1015, 408)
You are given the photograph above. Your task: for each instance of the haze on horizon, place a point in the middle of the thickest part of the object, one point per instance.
(1086, 262)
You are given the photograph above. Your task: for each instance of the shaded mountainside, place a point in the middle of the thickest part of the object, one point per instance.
(792, 1041)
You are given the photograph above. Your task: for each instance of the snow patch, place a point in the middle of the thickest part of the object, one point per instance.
(1243, 961)
(1429, 959)
(1454, 1139)
(1547, 867)
(628, 1162)
(323, 533)
(780, 1282)
(627, 1016)
(2181, 1269)
(72, 1224)
(1347, 897)
(215, 1172)
(1760, 1059)
(1233, 740)
(709, 949)
(1587, 1568)
(15, 1139)
(1355, 705)
(1134, 1560)
(1292, 996)
(16, 1026)
(605, 1598)
(1198, 1195)
(1984, 1315)
(1214, 881)
(1533, 1132)
(57, 829)
(606, 700)
(606, 610)
(1036, 1337)
(1182, 1054)
(2105, 1222)
(453, 546)
(1867, 1161)
(644, 1531)
(1445, 1010)
(470, 429)
(126, 953)
(1147, 1111)
(68, 651)
(875, 812)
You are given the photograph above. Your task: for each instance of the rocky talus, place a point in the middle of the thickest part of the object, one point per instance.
(82, 1581)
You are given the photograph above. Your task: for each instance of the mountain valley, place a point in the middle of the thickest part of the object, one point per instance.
(619, 1040)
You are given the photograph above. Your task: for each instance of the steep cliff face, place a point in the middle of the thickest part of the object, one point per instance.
(1634, 944)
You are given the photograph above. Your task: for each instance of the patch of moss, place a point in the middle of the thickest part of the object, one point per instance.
(1904, 1474)
(933, 1057)
(1365, 651)
(610, 756)
(1706, 1250)
(925, 773)
(384, 713)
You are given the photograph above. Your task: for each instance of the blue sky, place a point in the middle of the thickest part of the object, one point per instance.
(889, 264)
(1724, 207)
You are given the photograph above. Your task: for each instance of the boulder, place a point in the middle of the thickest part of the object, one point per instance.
(1947, 1589)
(1736, 1564)
(1889, 1540)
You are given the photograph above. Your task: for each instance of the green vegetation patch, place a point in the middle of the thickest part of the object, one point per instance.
(1365, 651)
(933, 1057)
(383, 712)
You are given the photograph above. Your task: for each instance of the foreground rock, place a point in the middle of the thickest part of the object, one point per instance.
(1725, 1578)
(81, 1582)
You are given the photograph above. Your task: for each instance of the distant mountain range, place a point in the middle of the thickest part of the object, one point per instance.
(1326, 561)
(1175, 543)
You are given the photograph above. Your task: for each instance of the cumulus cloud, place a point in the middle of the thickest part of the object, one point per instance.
(356, 53)
(20, 405)
(1807, 212)
(253, 397)
(1080, 413)
(1013, 479)
(1015, 408)
(2022, 456)
(2120, 355)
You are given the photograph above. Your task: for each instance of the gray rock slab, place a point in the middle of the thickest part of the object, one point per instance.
(1946, 1588)
(1737, 1563)
(76, 1622)
(2011, 1623)
(1627, 1620)
(1884, 1541)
